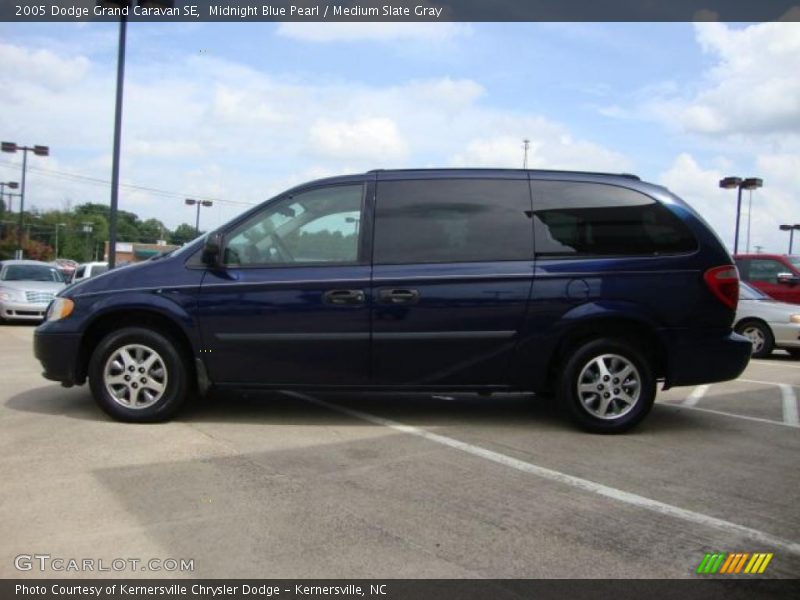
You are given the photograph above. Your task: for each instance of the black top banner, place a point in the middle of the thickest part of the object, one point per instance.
(399, 10)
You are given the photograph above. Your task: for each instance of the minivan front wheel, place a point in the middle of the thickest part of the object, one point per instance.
(608, 386)
(138, 375)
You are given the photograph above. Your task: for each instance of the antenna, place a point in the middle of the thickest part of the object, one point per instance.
(526, 143)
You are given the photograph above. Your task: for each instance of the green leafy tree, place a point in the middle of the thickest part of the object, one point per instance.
(183, 233)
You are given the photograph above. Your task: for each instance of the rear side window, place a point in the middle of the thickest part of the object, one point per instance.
(452, 220)
(766, 270)
(591, 219)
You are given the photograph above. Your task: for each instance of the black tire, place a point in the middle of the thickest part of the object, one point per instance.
(760, 335)
(169, 366)
(584, 407)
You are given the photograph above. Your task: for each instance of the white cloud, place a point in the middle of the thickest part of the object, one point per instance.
(771, 205)
(372, 32)
(357, 139)
(753, 88)
(551, 147)
(208, 128)
(41, 67)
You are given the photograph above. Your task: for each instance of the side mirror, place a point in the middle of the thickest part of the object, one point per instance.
(787, 278)
(212, 250)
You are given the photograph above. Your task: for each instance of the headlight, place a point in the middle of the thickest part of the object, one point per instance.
(7, 295)
(60, 308)
(794, 319)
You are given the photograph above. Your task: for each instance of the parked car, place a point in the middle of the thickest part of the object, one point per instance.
(767, 323)
(66, 266)
(26, 288)
(777, 275)
(592, 286)
(87, 270)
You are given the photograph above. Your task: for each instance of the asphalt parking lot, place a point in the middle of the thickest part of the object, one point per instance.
(388, 486)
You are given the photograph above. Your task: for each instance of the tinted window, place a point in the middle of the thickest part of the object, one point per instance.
(452, 220)
(319, 226)
(31, 273)
(766, 270)
(591, 219)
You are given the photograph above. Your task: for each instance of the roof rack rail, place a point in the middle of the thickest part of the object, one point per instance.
(626, 175)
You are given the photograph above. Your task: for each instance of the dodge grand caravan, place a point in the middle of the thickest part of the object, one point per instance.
(593, 287)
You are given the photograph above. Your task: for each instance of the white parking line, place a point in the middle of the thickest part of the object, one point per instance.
(727, 414)
(563, 478)
(789, 401)
(761, 382)
(696, 395)
(772, 363)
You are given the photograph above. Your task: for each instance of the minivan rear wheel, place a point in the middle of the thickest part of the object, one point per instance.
(138, 375)
(607, 386)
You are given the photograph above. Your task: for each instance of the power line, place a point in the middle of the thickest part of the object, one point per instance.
(78, 178)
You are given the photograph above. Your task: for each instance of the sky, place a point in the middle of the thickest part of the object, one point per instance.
(238, 112)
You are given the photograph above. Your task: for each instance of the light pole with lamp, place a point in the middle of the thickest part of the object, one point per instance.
(124, 5)
(12, 147)
(191, 202)
(729, 183)
(791, 229)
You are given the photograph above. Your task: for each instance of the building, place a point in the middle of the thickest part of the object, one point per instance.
(132, 252)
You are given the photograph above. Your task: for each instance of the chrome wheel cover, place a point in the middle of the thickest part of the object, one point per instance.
(609, 386)
(756, 337)
(135, 376)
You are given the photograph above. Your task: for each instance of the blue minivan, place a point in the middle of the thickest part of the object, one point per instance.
(593, 287)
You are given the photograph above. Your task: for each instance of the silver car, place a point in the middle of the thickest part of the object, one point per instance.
(768, 323)
(26, 289)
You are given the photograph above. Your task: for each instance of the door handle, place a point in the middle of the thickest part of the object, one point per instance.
(344, 297)
(399, 296)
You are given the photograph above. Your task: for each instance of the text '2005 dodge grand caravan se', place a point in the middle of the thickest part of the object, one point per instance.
(591, 286)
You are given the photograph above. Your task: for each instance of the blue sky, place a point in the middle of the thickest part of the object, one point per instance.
(236, 112)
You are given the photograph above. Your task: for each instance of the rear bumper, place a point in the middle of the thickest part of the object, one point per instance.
(58, 353)
(696, 358)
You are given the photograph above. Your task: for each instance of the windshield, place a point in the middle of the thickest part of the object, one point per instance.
(97, 269)
(750, 293)
(31, 273)
(795, 260)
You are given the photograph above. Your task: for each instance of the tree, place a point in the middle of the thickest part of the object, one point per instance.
(183, 233)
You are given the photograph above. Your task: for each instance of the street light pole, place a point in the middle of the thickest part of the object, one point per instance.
(124, 5)
(12, 147)
(112, 216)
(206, 203)
(791, 229)
(740, 184)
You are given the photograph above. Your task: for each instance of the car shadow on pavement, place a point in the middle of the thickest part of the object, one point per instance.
(417, 409)
(73, 402)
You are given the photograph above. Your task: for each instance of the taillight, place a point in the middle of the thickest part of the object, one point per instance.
(724, 284)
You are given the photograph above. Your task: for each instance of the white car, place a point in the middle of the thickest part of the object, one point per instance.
(86, 270)
(26, 289)
(768, 323)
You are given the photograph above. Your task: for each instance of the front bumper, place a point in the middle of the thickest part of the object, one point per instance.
(23, 311)
(58, 353)
(703, 357)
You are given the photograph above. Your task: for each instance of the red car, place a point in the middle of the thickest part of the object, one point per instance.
(777, 275)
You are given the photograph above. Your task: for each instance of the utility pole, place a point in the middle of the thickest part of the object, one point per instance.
(526, 143)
